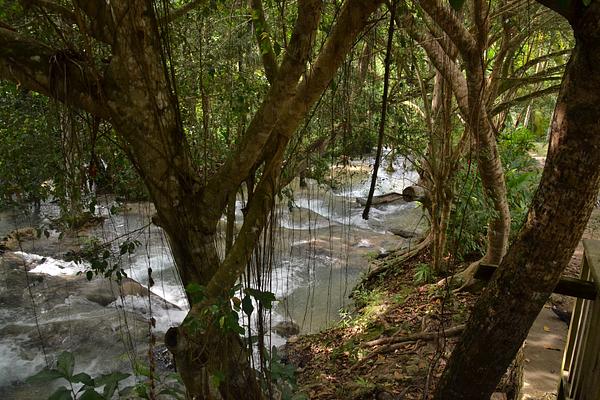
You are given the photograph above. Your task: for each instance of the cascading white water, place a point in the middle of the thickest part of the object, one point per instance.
(320, 252)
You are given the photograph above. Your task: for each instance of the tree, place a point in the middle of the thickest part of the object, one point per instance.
(487, 69)
(117, 68)
(557, 217)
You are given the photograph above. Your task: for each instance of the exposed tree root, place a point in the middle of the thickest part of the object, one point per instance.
(462, 280)
(394, 260)
(395, 342)
(455, 330)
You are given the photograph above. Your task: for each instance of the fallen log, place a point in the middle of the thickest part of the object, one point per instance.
(381, 199)
(405, 233)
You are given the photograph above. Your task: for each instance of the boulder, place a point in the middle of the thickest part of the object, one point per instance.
(11, 241)
(286, 328)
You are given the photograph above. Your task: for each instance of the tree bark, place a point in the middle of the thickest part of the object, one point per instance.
(557, 217)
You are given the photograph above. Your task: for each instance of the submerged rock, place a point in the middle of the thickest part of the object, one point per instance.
(286, 328)
(406, 233)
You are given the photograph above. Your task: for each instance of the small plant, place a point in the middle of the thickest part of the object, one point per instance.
(283, 377)
(424, 274)
(151, 384)
(65, 367)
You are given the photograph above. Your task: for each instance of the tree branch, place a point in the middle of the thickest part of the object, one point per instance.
(351, 21)
(442, 62)
(278, 99)
(537, 60)
(101, 22)
(51, 72)
(449, 21)
(181, 11)
(508, 83)
(533, 95)
(263, 38)
(65, 13)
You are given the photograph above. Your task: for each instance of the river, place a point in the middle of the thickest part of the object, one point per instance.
(320, 247)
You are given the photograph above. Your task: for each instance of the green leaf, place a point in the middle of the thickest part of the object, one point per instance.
(109, 390)
(89, 275)
(196, 292)
(110, 378)
(84, 378)
(45, 375)
(62, 393)
(264, 298)
(110, 382)
(586, 2)
(65, 364)
(141, 391)
(247, 306)
(91, 394)
(457, 4)
(141, 370)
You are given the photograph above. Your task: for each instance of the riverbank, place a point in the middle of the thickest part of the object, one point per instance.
(398, 339)
(394, 345)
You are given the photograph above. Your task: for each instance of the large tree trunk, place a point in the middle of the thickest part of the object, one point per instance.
(558, 215)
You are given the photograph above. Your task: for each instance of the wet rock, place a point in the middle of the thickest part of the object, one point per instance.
(163, 358)
(12, 240)
(286, 328)
(405, 233)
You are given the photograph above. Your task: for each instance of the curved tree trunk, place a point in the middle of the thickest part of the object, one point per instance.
(557, 217)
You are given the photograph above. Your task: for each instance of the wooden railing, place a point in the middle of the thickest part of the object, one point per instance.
(580, 372)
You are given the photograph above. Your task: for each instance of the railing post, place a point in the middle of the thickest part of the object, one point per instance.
(580, 372)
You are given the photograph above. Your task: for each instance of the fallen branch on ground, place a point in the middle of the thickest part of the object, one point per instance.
(455, 330)
(395, 342)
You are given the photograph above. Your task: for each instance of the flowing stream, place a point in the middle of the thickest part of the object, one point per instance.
(319, 248)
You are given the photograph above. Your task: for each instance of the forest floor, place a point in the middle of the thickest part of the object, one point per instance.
(351, 362)
(392, 347)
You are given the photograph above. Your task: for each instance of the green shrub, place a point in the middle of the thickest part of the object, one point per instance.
(471, 211)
